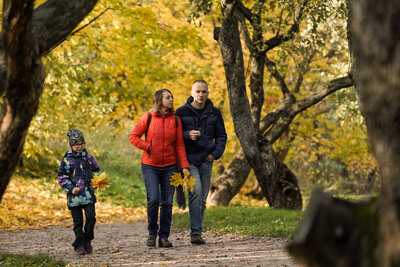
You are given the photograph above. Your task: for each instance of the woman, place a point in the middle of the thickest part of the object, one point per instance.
(162, 146)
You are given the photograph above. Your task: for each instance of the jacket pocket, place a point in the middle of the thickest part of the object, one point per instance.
(150, 147)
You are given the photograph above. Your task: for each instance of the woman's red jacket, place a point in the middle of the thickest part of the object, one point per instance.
(164, 137)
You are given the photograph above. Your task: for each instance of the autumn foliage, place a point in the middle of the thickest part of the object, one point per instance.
(186, 181)
(38, 203)
(101, 181)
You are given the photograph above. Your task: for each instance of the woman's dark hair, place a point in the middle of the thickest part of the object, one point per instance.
(157, 99)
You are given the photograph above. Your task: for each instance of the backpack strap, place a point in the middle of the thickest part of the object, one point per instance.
(148, 123)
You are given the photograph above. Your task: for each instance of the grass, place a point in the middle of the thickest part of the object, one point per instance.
(247, 220)
(121, 161)
(11, 260)
(125, 191)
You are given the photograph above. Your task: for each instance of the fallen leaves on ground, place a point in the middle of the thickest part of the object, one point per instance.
(37, 203)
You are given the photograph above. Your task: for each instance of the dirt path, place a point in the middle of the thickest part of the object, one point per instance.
(124, 245)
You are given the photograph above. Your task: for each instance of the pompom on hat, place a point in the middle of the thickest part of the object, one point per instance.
(75, 136)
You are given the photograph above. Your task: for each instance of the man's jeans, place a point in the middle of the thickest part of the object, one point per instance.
(157, 179)
(197, 199)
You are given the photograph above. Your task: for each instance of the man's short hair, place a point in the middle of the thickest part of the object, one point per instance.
(200, 81)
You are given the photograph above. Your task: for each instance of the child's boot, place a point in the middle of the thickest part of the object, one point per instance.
(88, 247)
(80, 250)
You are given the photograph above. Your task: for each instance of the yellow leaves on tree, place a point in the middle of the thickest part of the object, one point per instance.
(186, 181)
(101, 181)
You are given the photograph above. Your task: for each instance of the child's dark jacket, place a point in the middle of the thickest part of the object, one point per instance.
(76, 170)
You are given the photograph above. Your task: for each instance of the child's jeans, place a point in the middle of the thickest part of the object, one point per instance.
(81, 237)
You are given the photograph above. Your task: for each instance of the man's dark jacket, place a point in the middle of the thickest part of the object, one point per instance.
(212, 139)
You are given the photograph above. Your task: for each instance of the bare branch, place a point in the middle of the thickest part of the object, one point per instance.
(329, 88)
(245, 11)
(273, 116)
(245, 32)
(279, 39)
(74, 32)
(56, 19)
(275, 73)
(277, 120)
(306, 69)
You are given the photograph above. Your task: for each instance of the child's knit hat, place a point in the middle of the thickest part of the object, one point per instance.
(75, 136)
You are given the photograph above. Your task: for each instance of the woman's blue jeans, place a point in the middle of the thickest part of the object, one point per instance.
(198, 198)
(159, 193)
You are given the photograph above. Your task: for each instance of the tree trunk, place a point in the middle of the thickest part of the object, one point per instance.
(26, 35)
(224, 188)
(257, 149)
(375, 237)
(336, 233)
(269, 171)
(52, 22)
(376, 41)
(23, 83)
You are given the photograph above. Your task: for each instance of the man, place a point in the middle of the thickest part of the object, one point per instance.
(205, 139)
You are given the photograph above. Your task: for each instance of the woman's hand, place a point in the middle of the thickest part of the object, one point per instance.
(186, 172)
(75, 190)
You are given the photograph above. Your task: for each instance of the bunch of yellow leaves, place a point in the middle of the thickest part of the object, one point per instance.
(101, 181)
(186, 181)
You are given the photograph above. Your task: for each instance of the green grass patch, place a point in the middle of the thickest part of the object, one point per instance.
(11, 260)
(256, 221)
(354, 198)
(127, 191)
(121, 161)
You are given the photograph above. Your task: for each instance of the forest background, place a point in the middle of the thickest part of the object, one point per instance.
(101, 80)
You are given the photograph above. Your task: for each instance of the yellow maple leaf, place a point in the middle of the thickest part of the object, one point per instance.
(176, 179)
(191, 182)
(101, 181)
(186, 181)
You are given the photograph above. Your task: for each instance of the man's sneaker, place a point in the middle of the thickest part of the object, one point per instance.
(80, 250)
(151, 241)
(164, 243)
(197, 240)
(88, 247)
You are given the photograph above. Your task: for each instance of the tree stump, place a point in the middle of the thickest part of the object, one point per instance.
(335, 232)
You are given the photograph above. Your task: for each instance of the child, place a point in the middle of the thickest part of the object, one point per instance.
(74, 176)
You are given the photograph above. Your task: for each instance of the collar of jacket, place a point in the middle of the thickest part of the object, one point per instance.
(74, 154)
(158, 114)
(209, 104)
